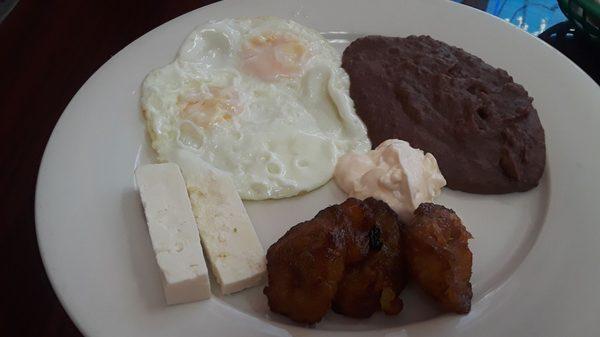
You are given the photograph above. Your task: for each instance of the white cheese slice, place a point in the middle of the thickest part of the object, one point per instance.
(173, 232)
(235, 253)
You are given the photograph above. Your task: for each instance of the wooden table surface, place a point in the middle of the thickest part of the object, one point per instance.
(48, 49)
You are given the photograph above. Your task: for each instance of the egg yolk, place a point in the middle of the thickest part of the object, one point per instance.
(220, 105)
(273, 55)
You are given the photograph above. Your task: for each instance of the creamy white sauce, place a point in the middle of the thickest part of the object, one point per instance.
(402, 176)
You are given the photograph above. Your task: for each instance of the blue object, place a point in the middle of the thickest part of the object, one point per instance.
(533, 16)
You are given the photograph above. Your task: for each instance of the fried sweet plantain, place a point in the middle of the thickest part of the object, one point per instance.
(349, 255)
(438, 256)
(375, 283)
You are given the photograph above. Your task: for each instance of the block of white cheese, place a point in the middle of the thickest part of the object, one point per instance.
(235, 253)
(173, 232)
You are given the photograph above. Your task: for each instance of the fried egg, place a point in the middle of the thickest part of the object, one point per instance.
(264, 100)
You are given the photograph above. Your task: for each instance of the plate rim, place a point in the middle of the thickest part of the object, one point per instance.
(64, 115)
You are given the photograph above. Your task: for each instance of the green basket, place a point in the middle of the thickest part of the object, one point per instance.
(585, 14)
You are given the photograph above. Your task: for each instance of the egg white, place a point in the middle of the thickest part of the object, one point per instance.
(275, 123)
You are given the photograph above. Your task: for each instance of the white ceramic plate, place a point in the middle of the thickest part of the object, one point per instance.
(536, 269)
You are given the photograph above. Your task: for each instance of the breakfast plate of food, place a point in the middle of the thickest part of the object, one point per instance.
(327, 168)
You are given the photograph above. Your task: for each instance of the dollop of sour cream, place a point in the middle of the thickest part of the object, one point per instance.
(395, 172)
